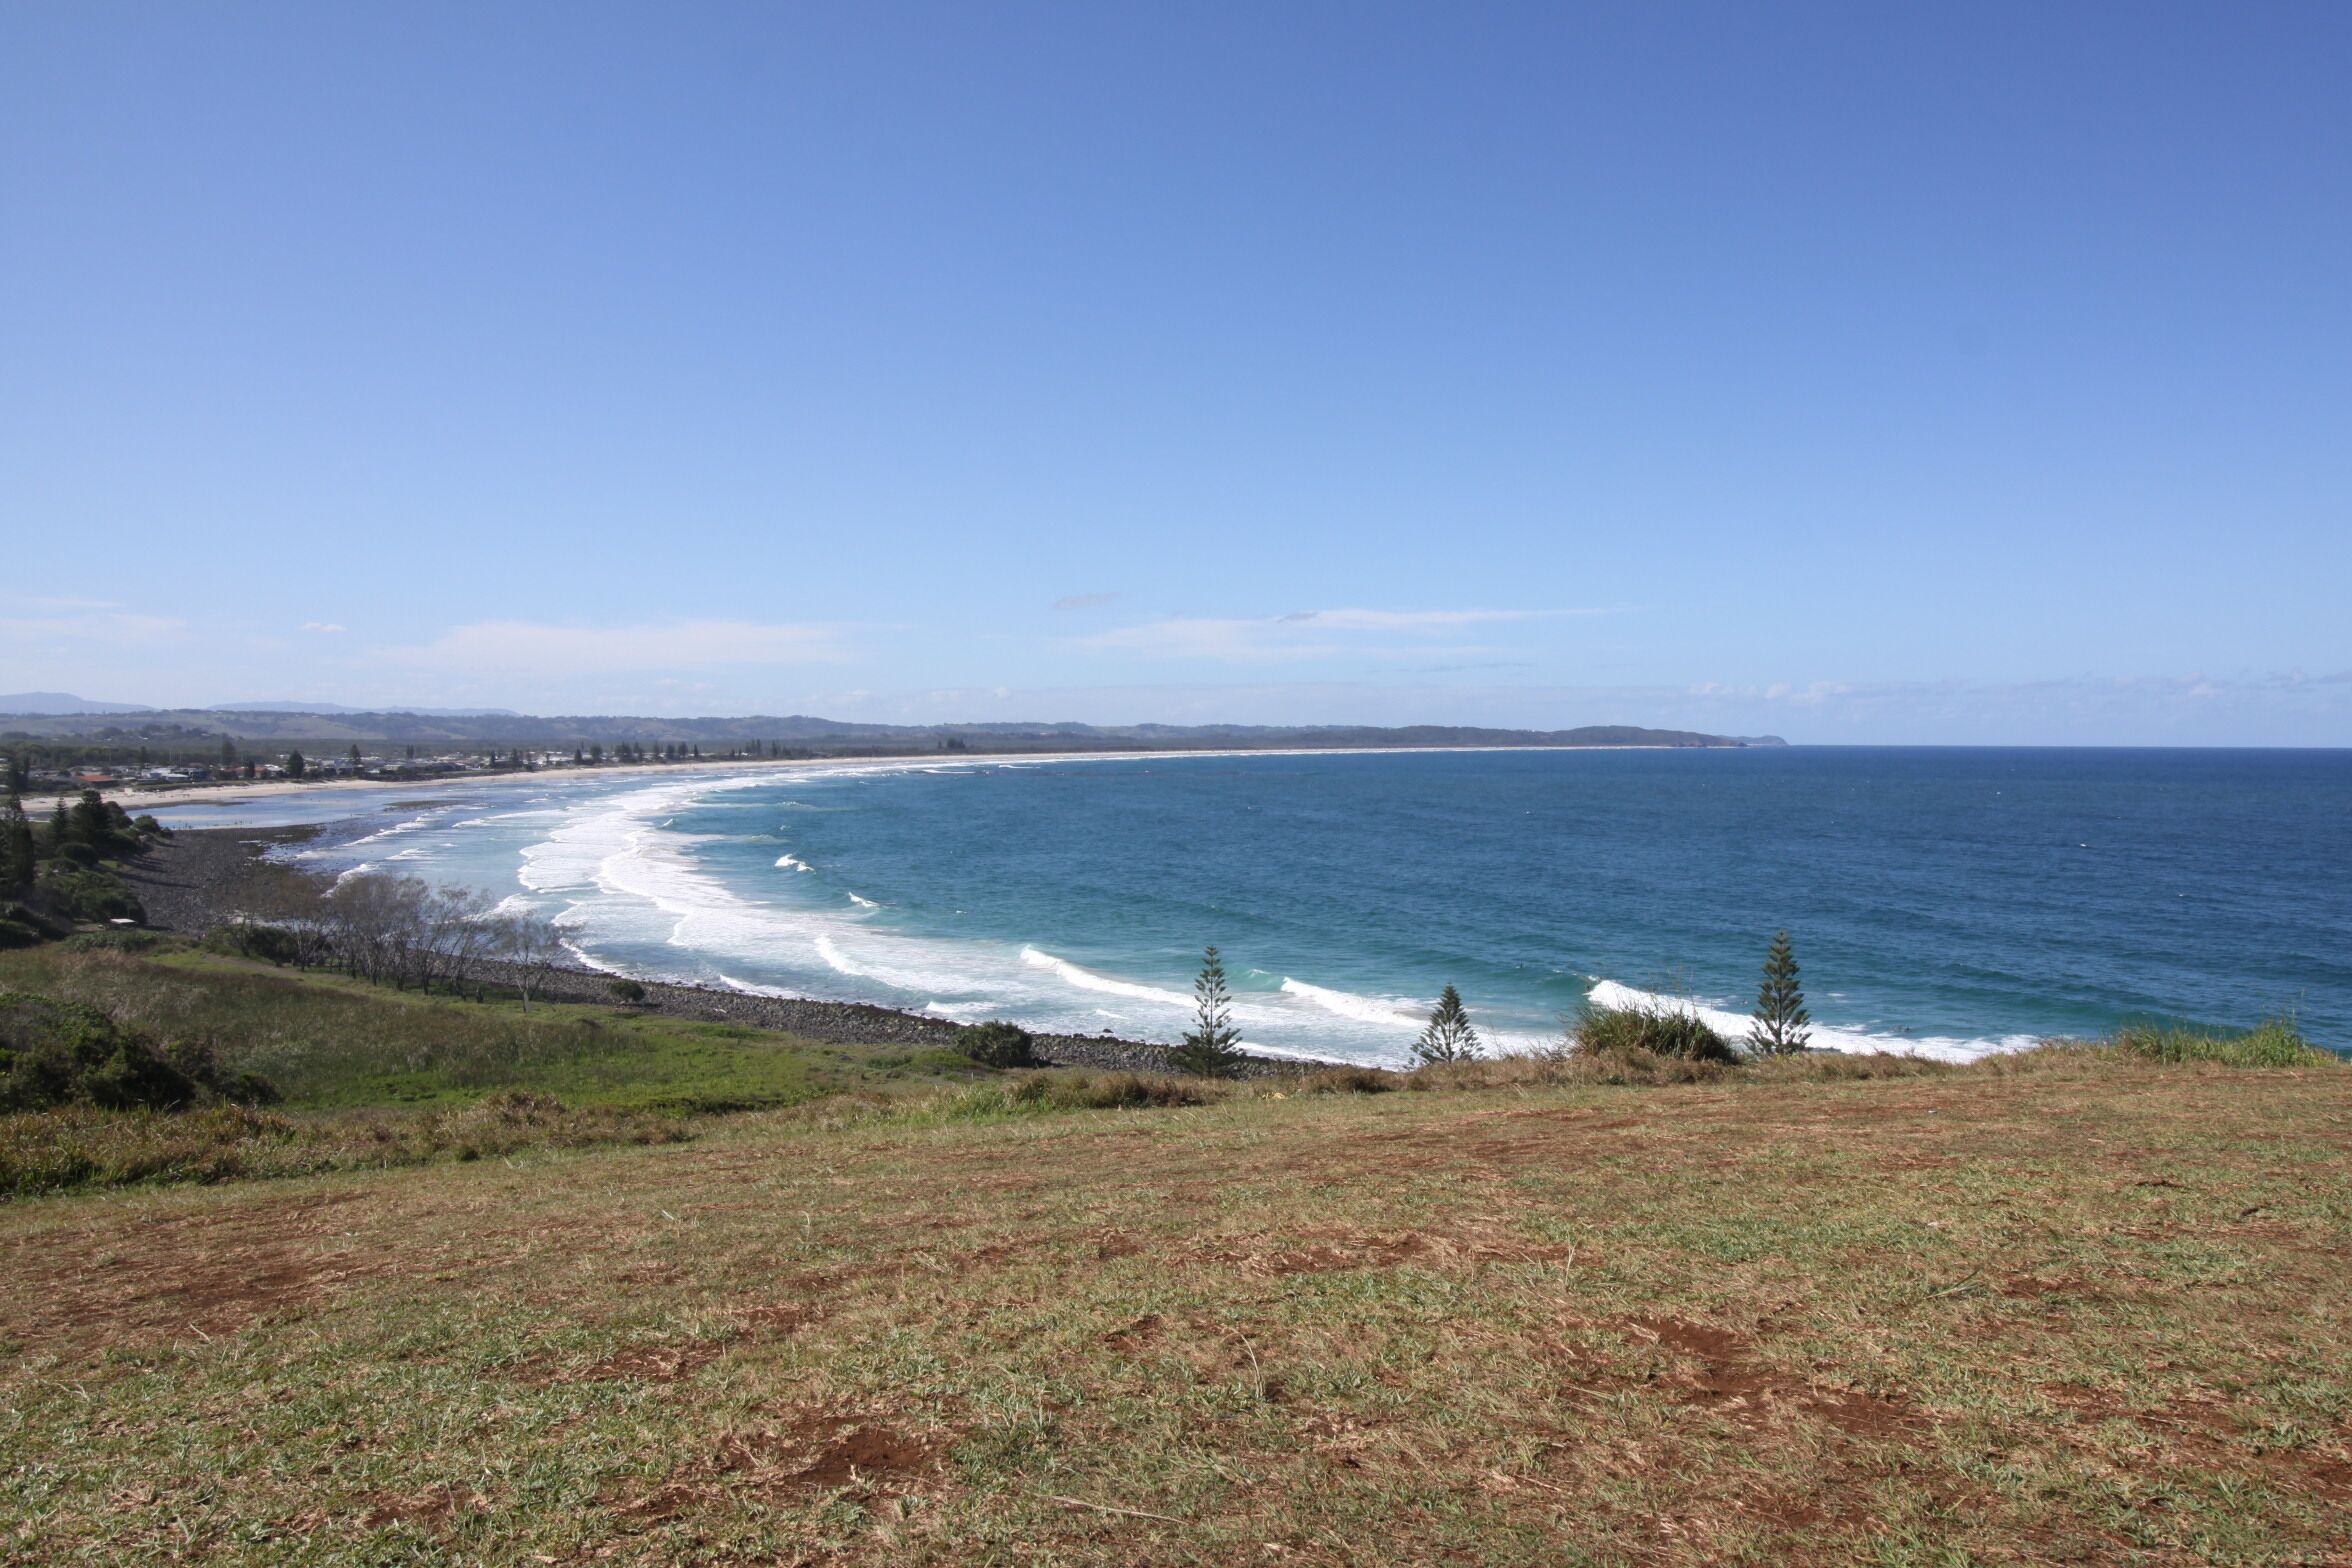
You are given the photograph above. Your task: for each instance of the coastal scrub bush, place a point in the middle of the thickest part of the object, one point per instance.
(626, 990)
(250, 939)
(2275, 1042)
(1354, 1080)
(66, 1053)
(997, 1043)
(87, 895)
(1653, 1028)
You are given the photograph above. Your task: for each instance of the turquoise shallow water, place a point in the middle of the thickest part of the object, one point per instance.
(1944, 900)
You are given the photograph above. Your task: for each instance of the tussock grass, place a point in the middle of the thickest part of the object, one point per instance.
(1649, 1030)
(2273, 1043)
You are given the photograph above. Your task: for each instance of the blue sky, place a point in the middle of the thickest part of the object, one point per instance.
(1858, 373)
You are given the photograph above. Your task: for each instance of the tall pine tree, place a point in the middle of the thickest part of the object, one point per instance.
(1213, 1047)
(1449, 1037)
(1781, 1024)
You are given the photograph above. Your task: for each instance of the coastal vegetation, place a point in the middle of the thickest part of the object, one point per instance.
(1781, 1022)
(1212, 1047)
(997, 1044)
(67, 869)
(1449, 1035)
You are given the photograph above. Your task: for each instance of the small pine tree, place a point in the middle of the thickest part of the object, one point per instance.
(1212, 1049)
(16, 845)
(1782, 1024)
(1449, 1037)
(296, 767)
(355, 754)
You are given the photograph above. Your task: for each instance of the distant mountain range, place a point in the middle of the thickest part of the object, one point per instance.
(55, 715)
(336, 707)
(61, 702)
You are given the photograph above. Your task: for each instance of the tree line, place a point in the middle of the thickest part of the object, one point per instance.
(1779, 1025)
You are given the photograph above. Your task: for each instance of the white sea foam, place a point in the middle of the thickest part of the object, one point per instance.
(1088, 980)
(1733, 1026)
(793, 863)
(863, 903)
(964, 1012)
(1395, 1012)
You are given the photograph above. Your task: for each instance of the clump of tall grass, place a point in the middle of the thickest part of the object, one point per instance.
(1650, 1029)
(2275, 1042)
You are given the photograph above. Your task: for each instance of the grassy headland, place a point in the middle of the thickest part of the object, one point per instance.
(2081, 1307)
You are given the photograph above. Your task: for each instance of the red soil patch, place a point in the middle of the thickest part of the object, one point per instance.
(808, 1451)
(429, 1508)
(1724, 1376)
(1326, 1252)
(1110, 1244)
(1127, 1341)
(202, 1274)
(644, 1363)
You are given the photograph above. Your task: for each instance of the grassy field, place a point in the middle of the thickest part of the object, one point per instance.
(2089, 1308)
(374, 1077)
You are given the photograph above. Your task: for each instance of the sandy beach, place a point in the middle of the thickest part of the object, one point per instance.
(135, 799)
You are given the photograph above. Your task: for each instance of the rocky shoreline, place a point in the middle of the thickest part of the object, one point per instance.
(190, 883)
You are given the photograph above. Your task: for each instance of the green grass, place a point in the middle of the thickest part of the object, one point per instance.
(329, 1043)
(2089, 1310)
(2274, 1043)
(373, 1077)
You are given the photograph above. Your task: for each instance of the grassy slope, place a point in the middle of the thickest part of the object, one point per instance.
(2072, 1314)
(334, 1044)
(375, 1077)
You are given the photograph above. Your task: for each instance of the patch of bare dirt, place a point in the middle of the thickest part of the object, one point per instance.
(1131, 1339)
(430, 1509)
(1717, 1366)
(644, 1364)
(203, 1274)
(805, 1451)
(1112, 1243)
(1326, 1252)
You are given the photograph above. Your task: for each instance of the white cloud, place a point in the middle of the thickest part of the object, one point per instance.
(323, 627)
(494, 649)
(1303, 634)
(111, 627)
(1412, 620)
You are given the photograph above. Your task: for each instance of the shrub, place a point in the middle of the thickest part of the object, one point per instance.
(64, 1053)
(88, 895)
(1352, 1080)
(2273, 1043)
(997, 1044)
(1654, 1028)
(625, 990)
(81, 855)
(251, 939)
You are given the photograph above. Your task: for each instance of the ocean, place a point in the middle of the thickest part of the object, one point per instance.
(1946, 901)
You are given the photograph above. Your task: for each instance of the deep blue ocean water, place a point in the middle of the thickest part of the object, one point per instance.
(1950, 900)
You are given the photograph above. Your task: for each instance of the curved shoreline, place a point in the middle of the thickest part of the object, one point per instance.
(190, 883)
